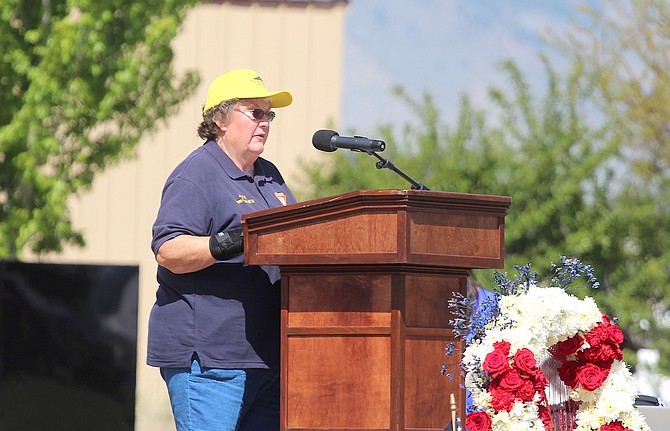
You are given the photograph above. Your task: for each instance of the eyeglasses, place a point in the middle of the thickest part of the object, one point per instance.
(259, 114)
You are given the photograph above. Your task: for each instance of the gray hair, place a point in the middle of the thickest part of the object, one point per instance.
(208, 129)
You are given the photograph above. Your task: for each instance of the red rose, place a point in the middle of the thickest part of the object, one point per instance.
(614, 334)
(478, 421)
(618, 353)
(496, 363)
(602, 354)
(526, 392)
(564, 348)
(545, 416)
(511, 380)
(597, 335)
(501, 399)
(539, 380)
(503, 346)
(593, 354)
(591, 376)
(613, 426)
(568, 373)
(525, 361)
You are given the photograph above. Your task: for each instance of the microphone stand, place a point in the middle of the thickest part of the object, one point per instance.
(384, 163)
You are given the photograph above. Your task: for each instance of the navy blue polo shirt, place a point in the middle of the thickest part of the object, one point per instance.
(227, 313)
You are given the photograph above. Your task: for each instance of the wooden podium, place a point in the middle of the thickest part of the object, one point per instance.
(366, 277)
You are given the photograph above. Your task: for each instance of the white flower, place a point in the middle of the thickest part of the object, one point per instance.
(537, 320)
(634, 420)
(522, 417)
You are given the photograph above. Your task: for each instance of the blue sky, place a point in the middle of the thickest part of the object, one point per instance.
(444, 47)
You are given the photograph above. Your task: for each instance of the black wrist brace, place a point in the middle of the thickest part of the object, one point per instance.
(224, 245)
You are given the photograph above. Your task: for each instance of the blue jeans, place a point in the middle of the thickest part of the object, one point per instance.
(214, 399)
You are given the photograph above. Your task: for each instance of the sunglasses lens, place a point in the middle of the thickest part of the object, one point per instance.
(258, 114)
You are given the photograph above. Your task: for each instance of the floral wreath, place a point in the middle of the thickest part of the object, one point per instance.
(522, 327)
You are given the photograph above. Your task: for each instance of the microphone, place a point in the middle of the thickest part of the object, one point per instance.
(329, 140)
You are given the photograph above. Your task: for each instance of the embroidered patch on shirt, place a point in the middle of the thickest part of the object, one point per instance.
(244, 200)
(282, 197)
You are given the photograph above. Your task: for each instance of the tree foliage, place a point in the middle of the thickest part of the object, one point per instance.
(563, 170)
(623, 47)
(542, 153)
(81, 82)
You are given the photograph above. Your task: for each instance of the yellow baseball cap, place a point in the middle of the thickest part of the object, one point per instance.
(243, 84)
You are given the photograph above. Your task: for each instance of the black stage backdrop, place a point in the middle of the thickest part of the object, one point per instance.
(68, 337)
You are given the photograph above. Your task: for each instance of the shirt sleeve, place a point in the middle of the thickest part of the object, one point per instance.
(184, 210)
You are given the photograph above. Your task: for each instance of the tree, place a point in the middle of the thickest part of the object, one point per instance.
(623, 48)
(544, 154)
(547, 153)
(462, 159)
(81, 82)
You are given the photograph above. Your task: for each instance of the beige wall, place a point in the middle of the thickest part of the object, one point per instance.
(294, 47)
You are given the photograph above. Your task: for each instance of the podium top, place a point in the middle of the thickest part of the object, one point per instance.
(415, 198)
(364, 227)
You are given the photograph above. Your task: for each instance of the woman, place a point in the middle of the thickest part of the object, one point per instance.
(214, 329)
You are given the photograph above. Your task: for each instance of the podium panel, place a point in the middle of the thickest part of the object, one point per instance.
(331, 375)
(366, 277)
(364, 350)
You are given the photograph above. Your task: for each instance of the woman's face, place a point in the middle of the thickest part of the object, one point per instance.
(244, 136)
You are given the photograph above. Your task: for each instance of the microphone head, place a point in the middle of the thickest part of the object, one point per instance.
(321, 140)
